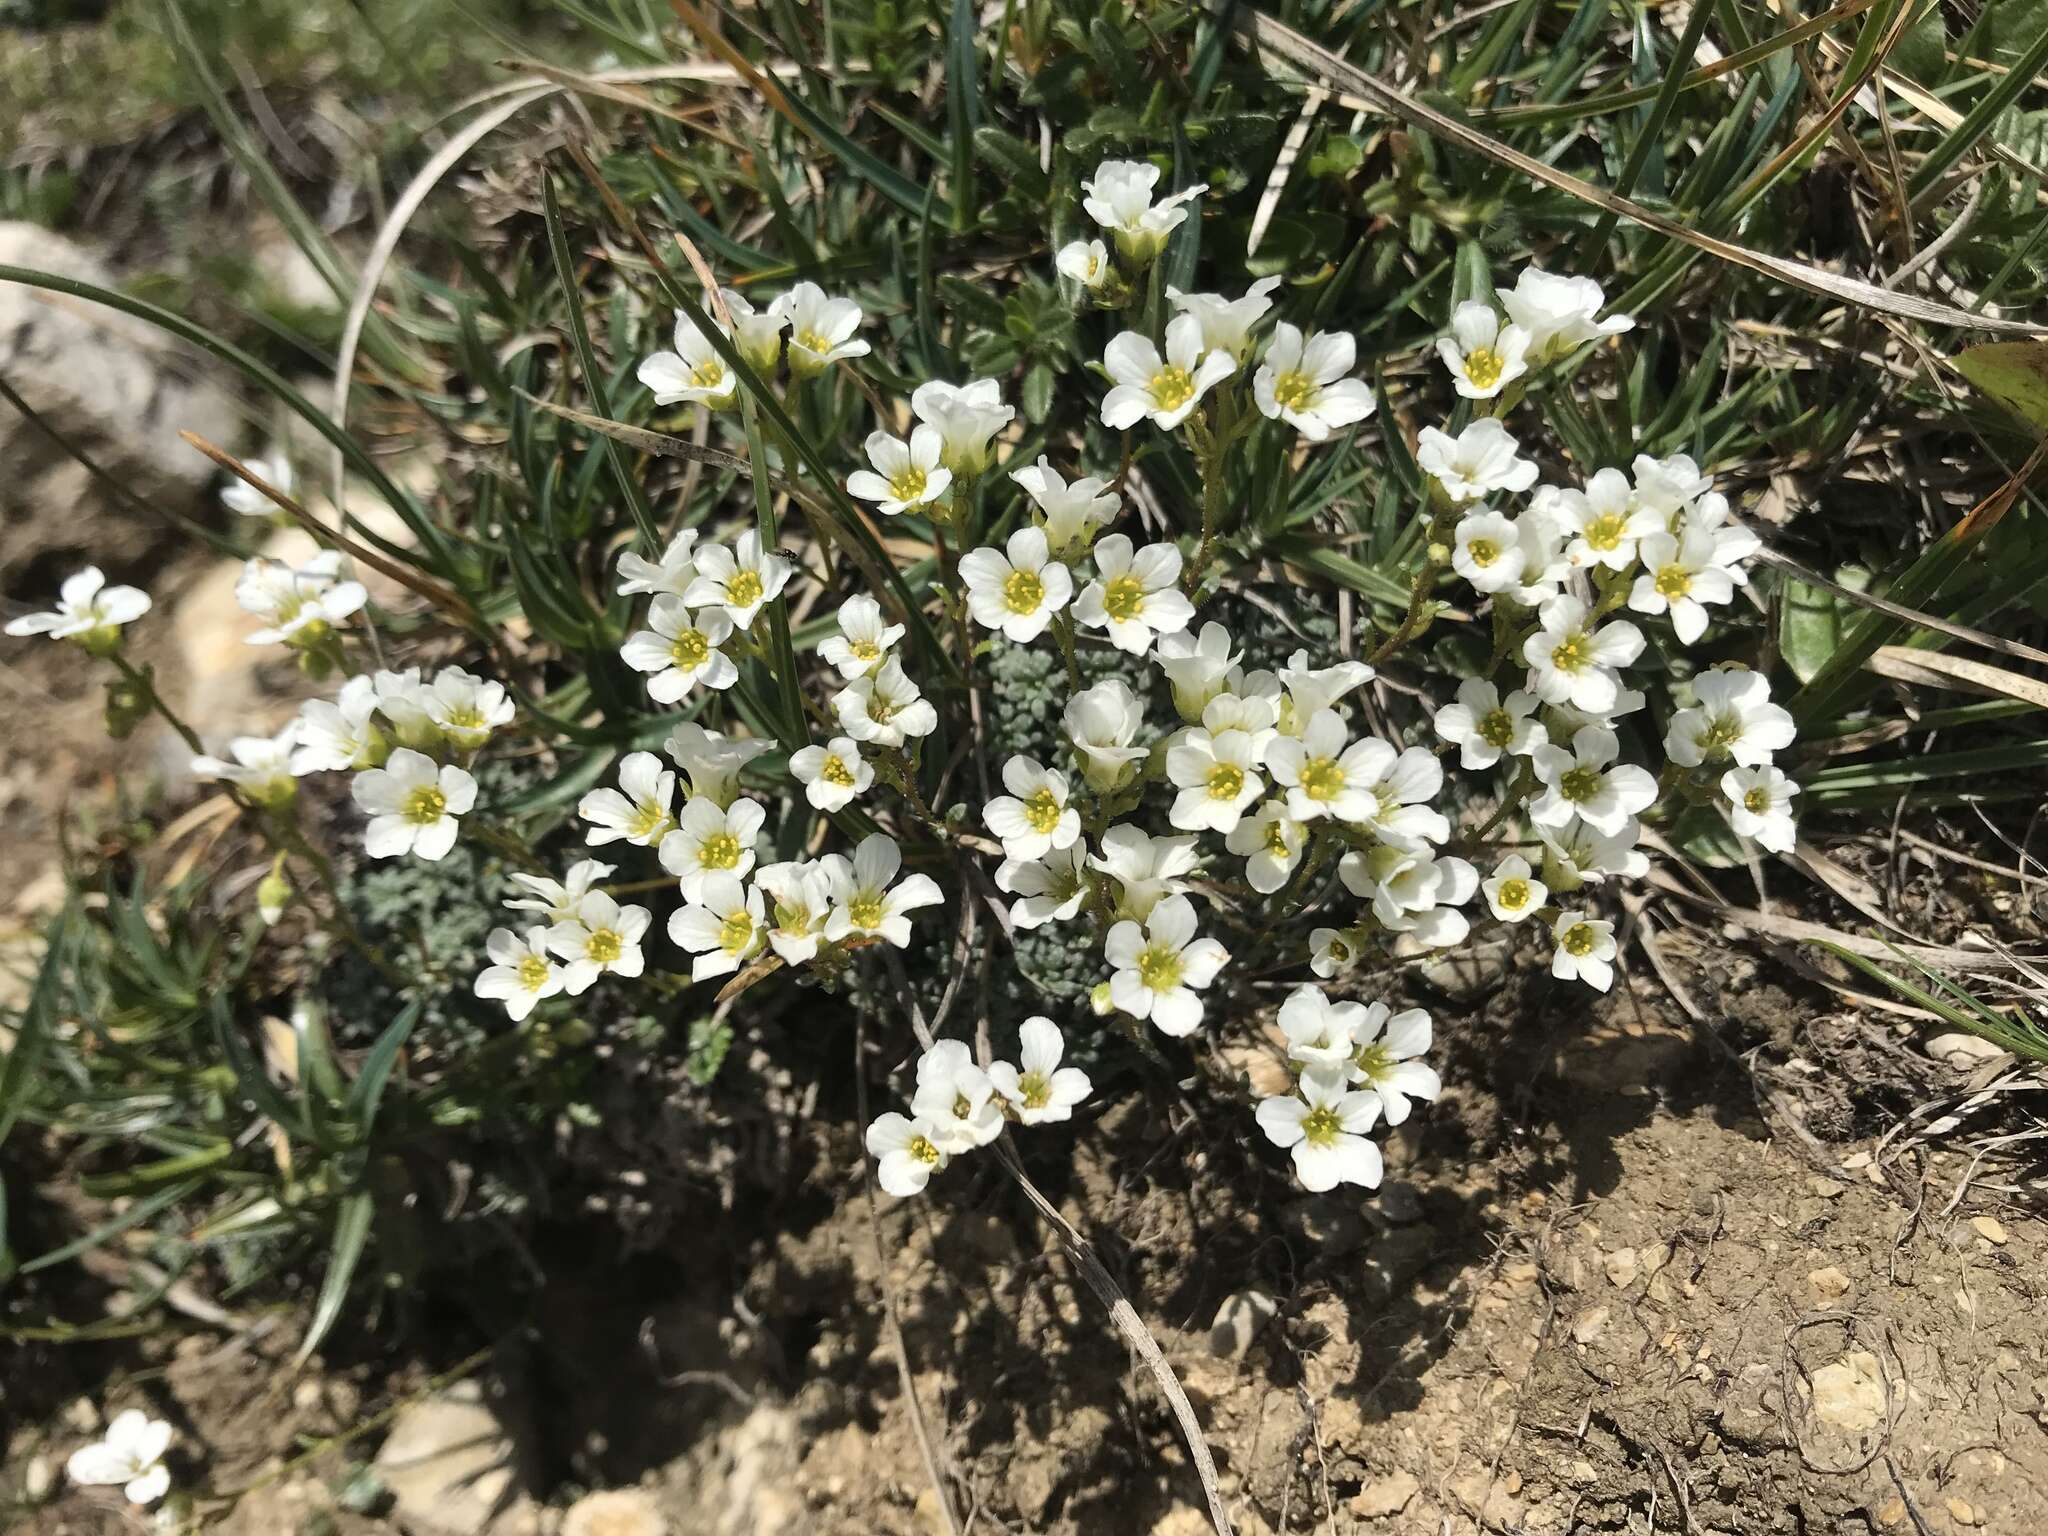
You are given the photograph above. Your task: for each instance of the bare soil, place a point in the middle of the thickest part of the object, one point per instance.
(1616, 1282)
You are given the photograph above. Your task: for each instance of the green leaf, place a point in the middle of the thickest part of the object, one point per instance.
(351, 1233)
(2013, 373)
(1810, 624)
(367, 1091)
(963, 107)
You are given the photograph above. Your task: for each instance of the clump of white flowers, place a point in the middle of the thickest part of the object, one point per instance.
(129, 1456)
(1260, 798)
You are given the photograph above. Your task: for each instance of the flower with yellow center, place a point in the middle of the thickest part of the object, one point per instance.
(603, 937)
(1018, 588)
(413, 804)
(1513, 891)
(1483, 356)
(709, 840)
(638, 811)
(1323, 1125)
(1217, 776)
(906, 474)
(1303, 382)
(1165, 388)
(521, 972)
(905, 1152)
(1135, 596)
(738, 580)
(693, 373)
(868, 901)
(722, 927)
(1585, 950)
(1160, 967)
(680, 650)
(1038, 1090)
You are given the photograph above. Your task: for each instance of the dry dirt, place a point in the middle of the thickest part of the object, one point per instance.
(1600, 1292)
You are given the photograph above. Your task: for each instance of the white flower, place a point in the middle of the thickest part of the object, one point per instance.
(757, 333)
(402, 700)
(1559, 313)
(1588, 783)
(723, 926)
(832, 775)
(1540, 535)
(1413, 892)
(132, 1454)
(1119, 198)
(1682, 574)
(863, 900)
(1074, 513)
(1271, 842)
(1147, 869)
(1168, 388)
(602, 936)
(885, 708)
(673, 573)
(1325, 1125)
(1159, 968)
(1513, 891)
(1734, 718)
(1227, 323)
(1103, 722)
(1217, 777)
(1134, 595)
(1383, 1057)
(802, 893)
(413, 805)
(905, 1154)
(1198, 668)
(693, 372)
(710, 761)
(739, 579)
(1332, 951)
(679, 651)
(863, 639)
(466, 708)
(639, 810)
(1760, 806)
(1038, 1088)
(260, 766)
(88, 610)
(905, 475)
(1483, 355)
(1325, 773)
(1035, 817)
(1319, 1032)
(337, 735)
(243, 499)
(1402, 783)
(298, 607)
(1480, 460)
(521, 972)
(1016, 589)
(1484, 728)
(1579, 855)
(967, 417)
(558, 899)
(1585, 950)
(1733, 543)
(1488, 552)
(1085, 261)
(1310, 690)
(1048, 890)
(711, 839)
(1571, 661)
(1604, 522)
(1303, 383)
(1254, 714)
(820, 330)
(1669, 486)
(956, 1099)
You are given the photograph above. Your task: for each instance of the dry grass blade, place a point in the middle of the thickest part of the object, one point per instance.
(441, 597)
(1932, 669)
(1319, 65)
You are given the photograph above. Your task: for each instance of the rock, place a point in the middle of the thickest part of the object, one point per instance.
(1238, 1322)
(616, 1512)
(119, 391)
(1829, 1283)
(1893, 1512)
(1963, 1051)
(82, 1416)
(1470, 969)
(1264, 1072)
(1620, 1266)
(1589, 1325)
(1850, 1393)
(1989, 1228)
(454, 1467)
(1386, 1496)
(1400, 1202)
(1182, 1520)
(1963, 1512)
(38, 1478)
